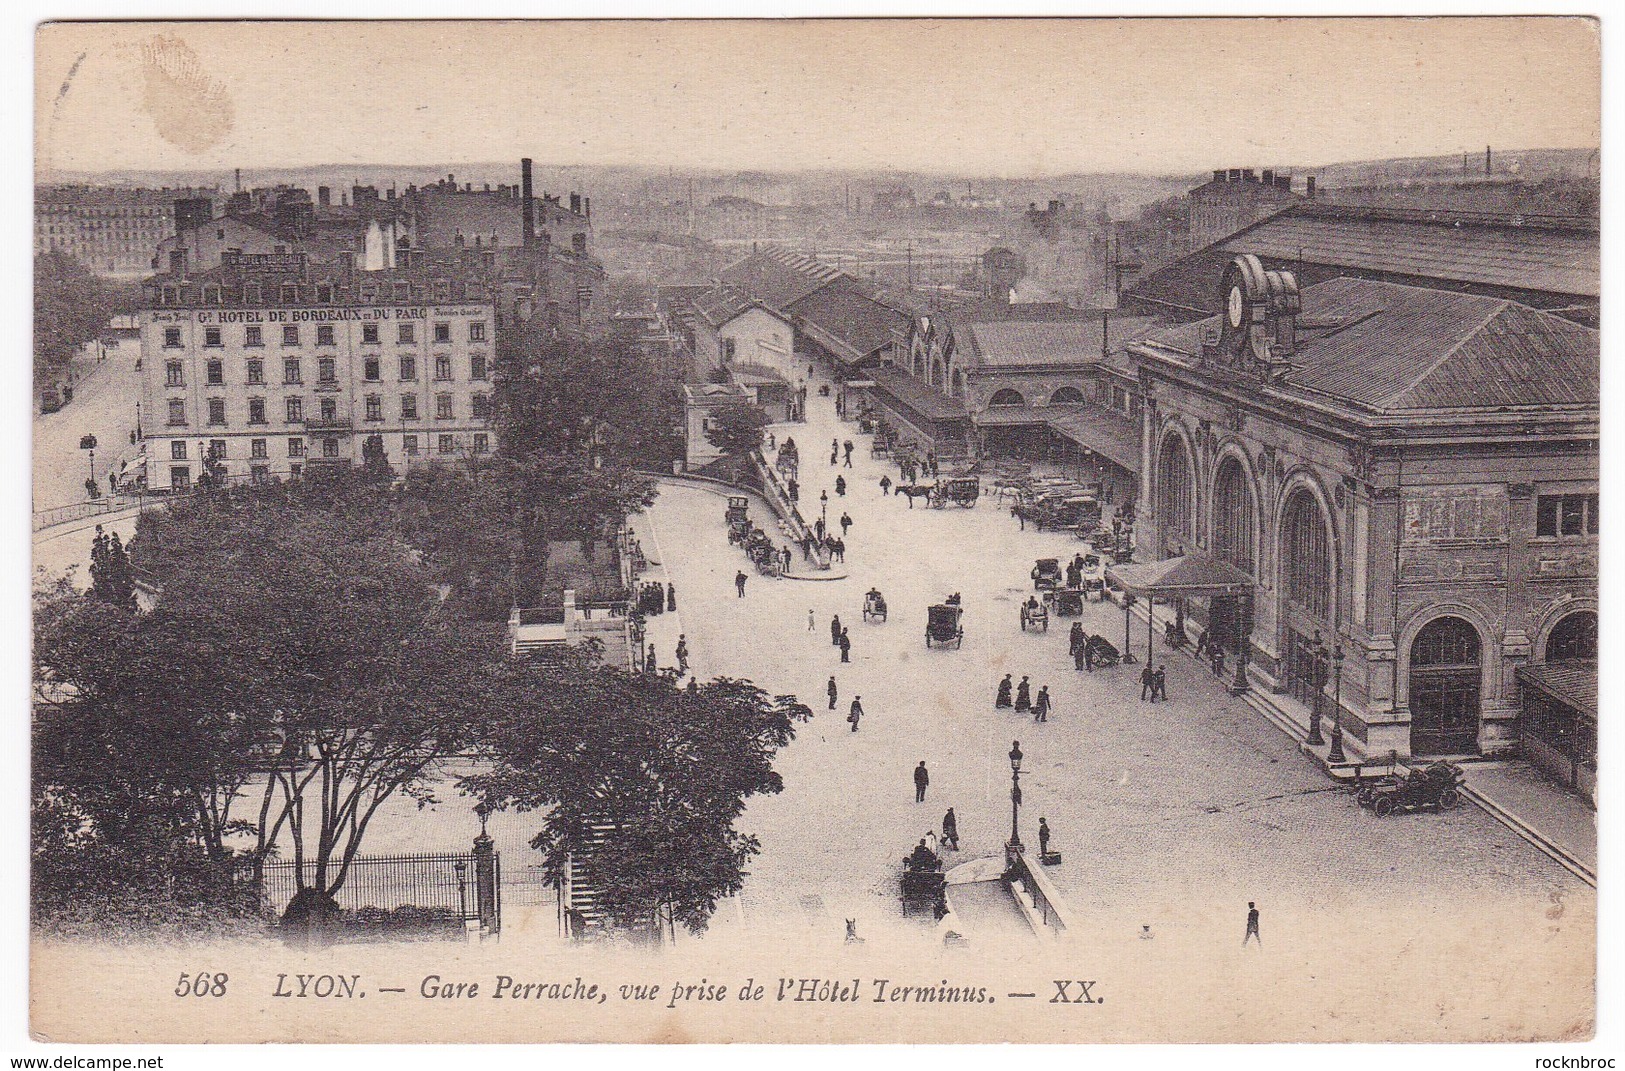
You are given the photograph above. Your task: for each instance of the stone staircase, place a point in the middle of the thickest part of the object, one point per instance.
(582, 895)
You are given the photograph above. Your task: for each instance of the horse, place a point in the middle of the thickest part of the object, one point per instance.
(912, 491)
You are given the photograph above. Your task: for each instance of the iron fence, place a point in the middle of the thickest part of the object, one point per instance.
(449, 882)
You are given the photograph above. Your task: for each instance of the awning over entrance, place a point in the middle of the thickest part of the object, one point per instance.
(1182, 577)
(1108, 434)
(1574, 684)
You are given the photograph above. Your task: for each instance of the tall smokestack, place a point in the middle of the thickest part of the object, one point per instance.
(1309, 187)
(525, 199)
(1487, 160)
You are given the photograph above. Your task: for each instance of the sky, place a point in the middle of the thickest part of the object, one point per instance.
(1010, 98)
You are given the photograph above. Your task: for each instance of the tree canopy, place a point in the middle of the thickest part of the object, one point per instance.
(737, 430)
(71, 305)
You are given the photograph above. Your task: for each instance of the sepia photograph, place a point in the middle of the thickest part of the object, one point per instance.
(814, 530)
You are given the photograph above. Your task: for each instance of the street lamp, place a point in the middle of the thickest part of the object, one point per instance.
(1317, 672)
(1014, 848)
(1336, 754)
(88, 442)
(823, 506)
(462, 887)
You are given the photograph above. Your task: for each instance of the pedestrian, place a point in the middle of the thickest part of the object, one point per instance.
(1041, 705)
(671, 598)
(1217, 653)
(833, 692)
(1003, 698)
(1024, 698)
(1043, 837)
(1088, 652)
(847, 448)
(885, 485)
(1159, 683)
(950, 830)
(1201, 643)
(1145, 932)
(771, 441)
(835, 631)
(682, 654)
(857, 712)
(838, 549)
(931, 842)
(1147, 680)
(694, 686)
(846, 647)
(834, 452)
(1080, 657)
(812, 622)
(650, 665)
(788, 557)
(795, 491)
(739, 583)
(1252, 926)
(1020, 515)
(1075, 639)
(840, 485)
(922, 778)
(818, 528)
(846, 524)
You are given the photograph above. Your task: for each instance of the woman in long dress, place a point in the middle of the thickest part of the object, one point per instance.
(1024, 698)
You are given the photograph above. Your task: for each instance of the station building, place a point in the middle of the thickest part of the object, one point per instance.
(1408, 475)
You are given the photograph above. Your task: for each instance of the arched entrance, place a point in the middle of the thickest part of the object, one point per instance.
(1306, 592)
(1174, 486)
(1446, 660)
(1235, 520)
(1066, 396)
(1574, 638)
(1006, 396)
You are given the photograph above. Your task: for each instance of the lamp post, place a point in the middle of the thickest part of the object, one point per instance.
(823, 508)
(462, 887)
(88, 442)
(1317, 676)
(1128, 653)
(1014, 848)
(1336, 754)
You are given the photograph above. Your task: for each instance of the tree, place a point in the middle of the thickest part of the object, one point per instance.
(71, 305)
(375, 467)
(737, 430)
(111, 578)
(669, 770)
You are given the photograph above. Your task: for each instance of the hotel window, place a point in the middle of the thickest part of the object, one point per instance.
(375, 407)
(409, 407)
(330, 447)
(180, 478)
(177, 411)
(173, 376)
(1566, 515)
(369, 294)
(324, 294)
(409, 369)
(211, 337)
(442, 407)
(290, 370)
(482, 406)
(290, 335)
(403, 291)
(256, 371)
(476, 368)
(476, 331)
(295, 469)
(217, 448)
(216, 373)
(296, 410)
(327, 370)
(369, 333)
(370, 368)
(177, 450)
(409, 445)
(256, 449)
(172, 338)
(169, 296)
(405, 333)
(256, 411)
(251, 294)
(253, 336)
(330, 409)
(442, 332)
(296, 446)
(211, 295)
(259, 474)
(290, 296)
(448, 444)
(482, 442)
(324, 335)
(442, 290)
(217, 410)
(442, 368)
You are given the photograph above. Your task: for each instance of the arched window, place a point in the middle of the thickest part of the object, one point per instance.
(1574, 638)
(1007, 397)
(1066, 396)
(1444, 686)
(1174, 484)
(1234, 516)
(1306, 559)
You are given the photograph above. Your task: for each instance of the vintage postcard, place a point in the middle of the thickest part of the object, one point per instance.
(1060, 530)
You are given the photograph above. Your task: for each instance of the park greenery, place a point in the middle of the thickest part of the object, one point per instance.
(305, 652)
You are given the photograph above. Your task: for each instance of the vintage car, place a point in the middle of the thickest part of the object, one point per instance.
(1046, 574)
(1437, 785)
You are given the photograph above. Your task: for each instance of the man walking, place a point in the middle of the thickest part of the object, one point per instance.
(846, 524)
(812, 622)
(835, 631)
(1147, 681)
(885, 486)
(846, 646)
(1159, 684)
(847, 446)
(739, 583)
(1252, 926)
(1043, 837)
(950, 831)
(857, 712)
(682, 654)
(1041, 705)
(833, 692)
(922, 778)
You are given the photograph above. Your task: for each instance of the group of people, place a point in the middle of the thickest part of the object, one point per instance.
(1082, 646)
(1210, 649)
(1154, 683)
(927, 855)
(839, 637)
(837, 450)
(1024, 701)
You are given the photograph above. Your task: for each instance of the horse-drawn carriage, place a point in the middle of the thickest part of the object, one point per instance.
(1092, 580)
(960, 490)
(942, 625)
(1046, 574)
(1060, 510)
(1437, 785)
(874, 605)
(923, 883)
(1068, 602)
(738, 517)
(1034, 615)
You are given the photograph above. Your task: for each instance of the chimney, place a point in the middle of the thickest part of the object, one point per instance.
(1309, 187)
(1218, 174)
(324, 196)
(1269, 176)
(586, 207)
(1247, 175)
(528, 235)
(1234, 174)
(1487, 169)
(575, 203)
(238, 172)
(1283, 182)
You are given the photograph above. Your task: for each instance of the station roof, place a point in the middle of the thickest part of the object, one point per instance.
(1574, 684)
(1009, 343)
